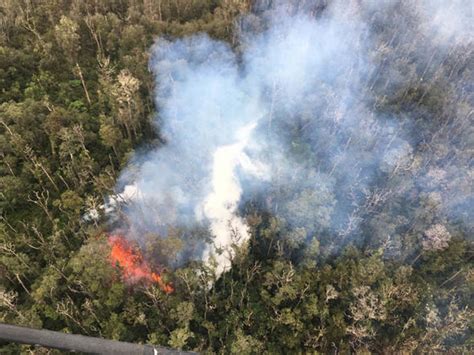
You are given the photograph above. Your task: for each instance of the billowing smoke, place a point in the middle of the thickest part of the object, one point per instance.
(320, 116)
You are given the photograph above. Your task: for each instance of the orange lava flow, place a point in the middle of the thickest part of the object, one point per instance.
(132, 263)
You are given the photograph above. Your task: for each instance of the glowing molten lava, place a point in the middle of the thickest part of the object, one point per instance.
(132, 263)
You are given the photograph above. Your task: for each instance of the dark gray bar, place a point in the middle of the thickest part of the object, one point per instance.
(63, 341)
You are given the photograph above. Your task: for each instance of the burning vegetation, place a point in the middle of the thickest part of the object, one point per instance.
(304, 170)
(134, 268)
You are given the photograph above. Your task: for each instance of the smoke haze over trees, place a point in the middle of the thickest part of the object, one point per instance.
(300, 171)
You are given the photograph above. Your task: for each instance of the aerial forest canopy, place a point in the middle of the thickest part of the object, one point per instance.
(239, 176)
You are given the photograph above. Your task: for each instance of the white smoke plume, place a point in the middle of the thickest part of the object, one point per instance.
(290, 113)
(220, 206)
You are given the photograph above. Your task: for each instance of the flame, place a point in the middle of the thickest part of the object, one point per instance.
(132, 263)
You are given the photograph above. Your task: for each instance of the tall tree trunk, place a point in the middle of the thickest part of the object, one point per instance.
(79, 73)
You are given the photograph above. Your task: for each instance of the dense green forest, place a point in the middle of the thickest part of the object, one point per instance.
(77, 104)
